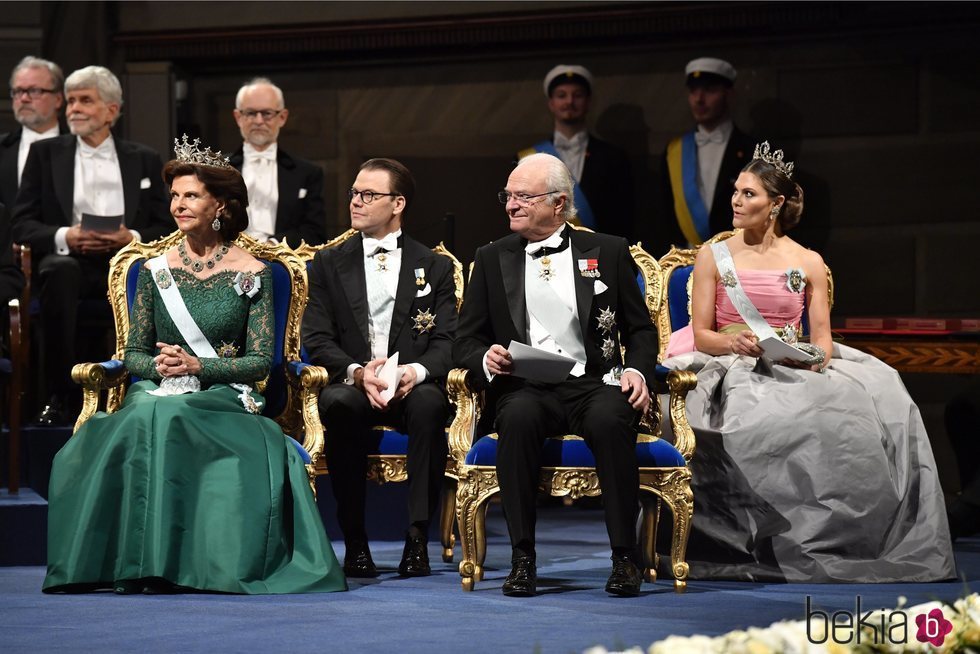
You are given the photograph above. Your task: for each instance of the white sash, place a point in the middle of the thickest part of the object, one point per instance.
(744, 306)
(174, 303)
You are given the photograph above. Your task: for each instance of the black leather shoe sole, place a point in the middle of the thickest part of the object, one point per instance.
(360, 572)
(623, 589)
(518, 590)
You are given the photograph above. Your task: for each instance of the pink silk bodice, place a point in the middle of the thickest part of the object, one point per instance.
(769, 293)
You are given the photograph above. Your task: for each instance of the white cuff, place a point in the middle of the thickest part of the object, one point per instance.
(350, 373)
(486, 371)
(61, 241)
(136, 235)
(420, 372)
(637, 372)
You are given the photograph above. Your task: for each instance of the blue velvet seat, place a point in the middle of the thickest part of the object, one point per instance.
(568, 467)
(388, 450)
(289, 300)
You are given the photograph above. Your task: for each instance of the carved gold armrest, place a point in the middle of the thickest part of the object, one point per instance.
(94, 378)
(679, 383)
(468, 407)
(302, 414)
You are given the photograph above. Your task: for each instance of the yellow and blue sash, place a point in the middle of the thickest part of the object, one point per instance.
(585, 216)
(682, 164)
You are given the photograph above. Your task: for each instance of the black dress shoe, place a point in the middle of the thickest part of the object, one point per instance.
(127, 587)
(523, 578)
(625, 579)
(358, 562)
(415, 558)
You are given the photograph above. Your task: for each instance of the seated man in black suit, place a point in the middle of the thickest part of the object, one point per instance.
(285, 193)
(378, 294)
(574, 293)
(82, 197)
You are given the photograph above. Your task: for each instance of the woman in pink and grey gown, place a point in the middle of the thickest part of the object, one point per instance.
(812, 471)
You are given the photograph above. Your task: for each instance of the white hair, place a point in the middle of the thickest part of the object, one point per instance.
(259, 81)
(558, 179)
(102, 80)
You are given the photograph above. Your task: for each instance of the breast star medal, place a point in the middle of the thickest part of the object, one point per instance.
(424, 322)
(607, 320)
(546, 272)
(608, 348)
(227, 350)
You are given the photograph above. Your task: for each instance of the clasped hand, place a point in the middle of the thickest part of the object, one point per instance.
(174, 361)
(87, 241)
(367, 380)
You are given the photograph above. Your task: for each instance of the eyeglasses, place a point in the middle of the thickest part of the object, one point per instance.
(34, 92)
(522, 199)
(267, 114)
(367, 197)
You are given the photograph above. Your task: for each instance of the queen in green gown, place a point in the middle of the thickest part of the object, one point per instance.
(191, 490)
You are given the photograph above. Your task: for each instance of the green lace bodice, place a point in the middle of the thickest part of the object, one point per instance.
(224, 317)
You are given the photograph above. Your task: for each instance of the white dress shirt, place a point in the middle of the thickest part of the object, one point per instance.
(563, 282)
(711, 150)
(261, 175)
(98, 188)
(572, 152)
(381, 306)
(27, 138)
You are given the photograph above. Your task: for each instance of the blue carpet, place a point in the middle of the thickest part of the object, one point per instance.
(433, 614)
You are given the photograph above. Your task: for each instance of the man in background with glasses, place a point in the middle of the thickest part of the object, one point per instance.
(35, 93)
(83, 196)
(285, 193)
(380, 293)
(572, 293)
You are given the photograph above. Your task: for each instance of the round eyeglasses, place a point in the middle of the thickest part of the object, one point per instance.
(367, 197)
(522, 199)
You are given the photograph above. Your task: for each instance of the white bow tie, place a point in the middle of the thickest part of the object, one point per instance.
(574, 144)
(372, 245)
(264, 155)
(553, 241)
(711, 137)
(96, 153)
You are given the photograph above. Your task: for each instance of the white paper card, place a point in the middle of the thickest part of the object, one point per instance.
(389, 375)
(539, 365)
(777, 350)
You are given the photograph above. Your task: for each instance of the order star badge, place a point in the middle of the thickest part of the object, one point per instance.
(163, 278)
(607, 320)
(424, 321)
(608, 348)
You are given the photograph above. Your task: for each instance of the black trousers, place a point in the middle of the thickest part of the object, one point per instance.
(597, 412)
(347, 418)
(63, 281)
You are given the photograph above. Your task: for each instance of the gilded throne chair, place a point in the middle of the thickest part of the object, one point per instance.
(388, 456)
(290, 392)
(568, 467)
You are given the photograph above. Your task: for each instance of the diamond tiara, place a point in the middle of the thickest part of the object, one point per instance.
(775, 158)
(188, 152)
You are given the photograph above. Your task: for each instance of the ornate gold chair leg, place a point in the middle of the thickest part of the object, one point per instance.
(682, 506)
(481, 536)
(467, 507)
(447, 519)
(648, 534)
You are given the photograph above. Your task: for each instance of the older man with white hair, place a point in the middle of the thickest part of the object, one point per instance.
(83, 196)
(573, 293)
(285, 193)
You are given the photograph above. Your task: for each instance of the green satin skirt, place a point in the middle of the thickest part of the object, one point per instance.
(191, 489)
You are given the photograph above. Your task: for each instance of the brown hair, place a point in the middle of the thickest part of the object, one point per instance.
(775, 182)
(225, 184)
(400, 177)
